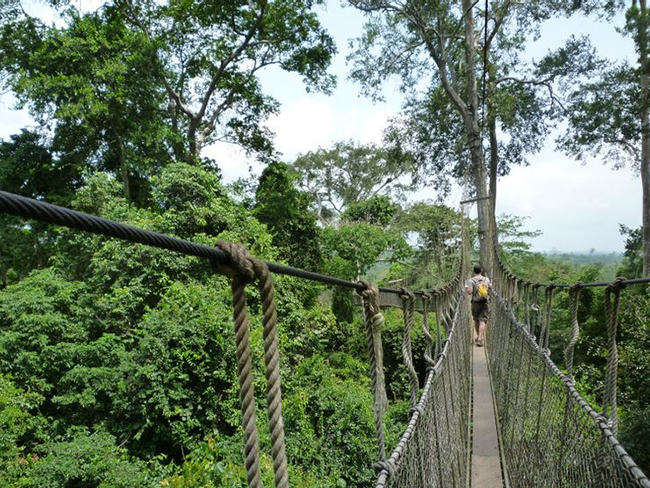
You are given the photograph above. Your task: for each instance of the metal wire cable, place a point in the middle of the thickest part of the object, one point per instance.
(53, 214)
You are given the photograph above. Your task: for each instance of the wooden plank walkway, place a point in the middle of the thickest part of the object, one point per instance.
(486, 465)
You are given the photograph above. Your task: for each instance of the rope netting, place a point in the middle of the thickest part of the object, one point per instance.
(550, 435)
(434, 449)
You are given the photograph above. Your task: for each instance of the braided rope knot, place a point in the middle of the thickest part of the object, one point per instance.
(416, 408)
(406, 294)
(616, 284)
(576, 286)
(371, 296)
(387, 465)
(239, 262)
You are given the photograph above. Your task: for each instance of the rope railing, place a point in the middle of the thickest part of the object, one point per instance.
(446, 382)
(551, 435)
(596, 458)
(433, 451)
(53, 214)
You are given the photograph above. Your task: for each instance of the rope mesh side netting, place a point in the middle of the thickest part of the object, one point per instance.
(434, 449)
(550, 435)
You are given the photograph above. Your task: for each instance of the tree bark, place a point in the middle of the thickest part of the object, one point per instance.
(494, 165)
(484, 206)
(645, 134)
(124, 170)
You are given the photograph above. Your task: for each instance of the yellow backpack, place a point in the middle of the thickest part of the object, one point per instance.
(483, 290)
(480, 290)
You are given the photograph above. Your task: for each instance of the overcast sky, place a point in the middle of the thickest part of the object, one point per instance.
(576, 207)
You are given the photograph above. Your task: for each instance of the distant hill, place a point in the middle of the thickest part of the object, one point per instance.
(608, 262)
(586, 257)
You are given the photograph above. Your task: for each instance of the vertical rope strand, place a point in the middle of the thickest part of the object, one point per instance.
(428, 351)
(244, 269)
(273, 381)
(546, 321)
(374, 324)
(246, 394)
(574, 299)
(611, 377)
(408, 309)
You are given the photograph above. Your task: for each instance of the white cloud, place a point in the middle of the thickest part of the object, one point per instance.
(373, 127)
(11, 121)
(232, 161)
(303, 125)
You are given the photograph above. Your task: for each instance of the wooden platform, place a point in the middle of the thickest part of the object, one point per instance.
(486, 465)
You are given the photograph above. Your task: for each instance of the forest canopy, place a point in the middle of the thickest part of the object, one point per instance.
(118, 361)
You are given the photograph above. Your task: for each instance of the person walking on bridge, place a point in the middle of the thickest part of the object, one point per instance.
(478, 287)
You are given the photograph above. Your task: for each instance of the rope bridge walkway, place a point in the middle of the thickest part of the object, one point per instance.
(549, 434)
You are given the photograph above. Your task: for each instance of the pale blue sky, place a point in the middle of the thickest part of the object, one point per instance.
(576, 207)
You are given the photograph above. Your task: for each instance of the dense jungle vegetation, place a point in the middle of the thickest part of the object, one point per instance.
(117, 361)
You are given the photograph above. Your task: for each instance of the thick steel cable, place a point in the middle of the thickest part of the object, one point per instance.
(53, 214)
(574, 300)
(374, 324)
(611, 376)
(408, 310)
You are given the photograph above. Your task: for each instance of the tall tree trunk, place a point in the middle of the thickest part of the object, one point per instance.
(193, 140)
(494, 166)
(484, 206)
(124, 169)
(645, 132)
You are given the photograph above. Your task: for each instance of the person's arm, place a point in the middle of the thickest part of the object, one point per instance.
(469, 288)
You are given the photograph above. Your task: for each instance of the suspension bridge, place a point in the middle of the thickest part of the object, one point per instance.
(503, 415)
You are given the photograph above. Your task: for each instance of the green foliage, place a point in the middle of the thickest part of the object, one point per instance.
(632, 265)
(87, 461)
(376, 210)
(210, 55)
(113, 344)
(28, 168)
(285, 211)
(353, 248)
(17, 421)
(177, 383)
(436, 232)
(419, 46)
(82, 77)
(331, 403)
(349, 174)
